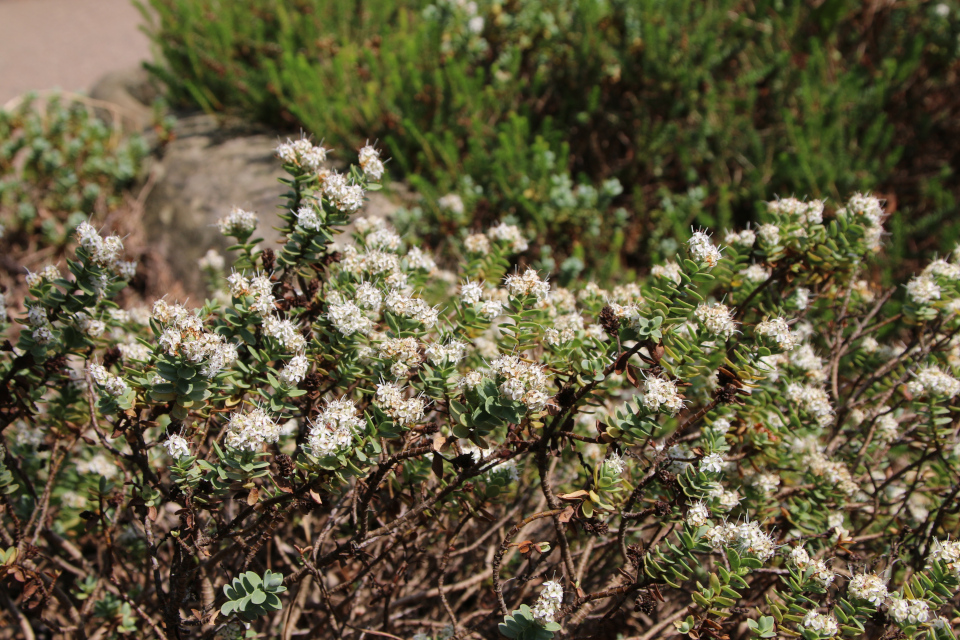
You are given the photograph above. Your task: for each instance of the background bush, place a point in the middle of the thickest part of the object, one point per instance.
(699, 108)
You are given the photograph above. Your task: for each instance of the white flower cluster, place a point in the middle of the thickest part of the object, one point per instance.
(238, 223)
(923, 289)
(510, 235)
(260, 288)
(746, 537)
(405, 352)
(529, 284)
(670, 270)
(698, 514)
(105, 252)
(453, 203)
(113, 385)
(98, 465)
(659, 393)
(48, 274)
(549, 602)
(744, 238)
(250, 431)
(702, 249)
(779, 331)
(177, 447)
(755, 273)
(371, 164)
(870, 212)
(769, 234)
(308, 219)
(813, 400)
(825, 625)
(348, 319)
(712, 463)
(931, 381)
(184, 335)
(334, 429)
(807, 213)
(522, 381)
(887, 426)
(390, 398)
(294, 371)
(868, 587)
(907, 610)
(947, 552)
(285, 332)
(836, 473)
(417, 309)
(450, 353)
(819, 569)
(807, 360)
(717, 318)
(302, 153)
(615, 463)
(341, 193)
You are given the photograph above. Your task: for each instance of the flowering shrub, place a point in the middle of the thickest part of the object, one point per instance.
(347, 439)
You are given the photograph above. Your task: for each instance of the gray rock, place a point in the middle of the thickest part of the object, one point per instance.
(206, 170)
(133, 91)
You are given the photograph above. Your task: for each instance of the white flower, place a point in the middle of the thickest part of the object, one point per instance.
(799, 557)
(368, 296)
(477, 243)
(348, 319)
(907, 610)
(712, 463)
(371, 164)
(453, 203)
(659, 393)
(755, 273)
(717, 318)
(307, 218)
(238, 223)
(702, 250)
(490, 309)
(529, 284)
(294, 371)
(668, 271)
(334, 429)
(470, 293)
(389, 397)
(177, 447)
(98, 465)
(250, 431)
(285, 332)
(931, 381)
(869, 587)
(549, 602)
(615, 463)
(509, 234)
(825, 625)
(923, 289)
(778, 330)
(698, 514)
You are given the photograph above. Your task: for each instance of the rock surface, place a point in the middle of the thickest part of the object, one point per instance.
(205, 171)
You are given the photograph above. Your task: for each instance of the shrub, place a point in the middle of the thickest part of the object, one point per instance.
(699, 109)
(56, 163)
(754, 441)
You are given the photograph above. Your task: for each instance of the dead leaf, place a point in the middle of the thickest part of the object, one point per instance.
(315, 497)
(253, 496)
(566, 515)
(576, 495)
(437, 465)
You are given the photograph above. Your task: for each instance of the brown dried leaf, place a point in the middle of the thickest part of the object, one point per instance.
(576, 495)
(253, 496)
(437, 465)
(315, 497)
(566, 515)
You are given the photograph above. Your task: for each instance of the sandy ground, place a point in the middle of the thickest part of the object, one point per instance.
(66, 44)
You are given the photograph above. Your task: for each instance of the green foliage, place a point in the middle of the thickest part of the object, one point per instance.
(57, 164)
(521, 625)
(540, 110)
(251, 596)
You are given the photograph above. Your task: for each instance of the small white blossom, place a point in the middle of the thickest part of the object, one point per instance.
(238, 223)
(549, 602)
(702, 250)
(177, 447)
